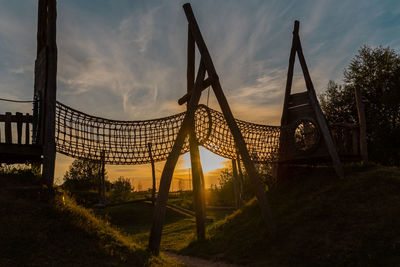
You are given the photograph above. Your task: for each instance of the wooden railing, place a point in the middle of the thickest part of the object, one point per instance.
(19, 120)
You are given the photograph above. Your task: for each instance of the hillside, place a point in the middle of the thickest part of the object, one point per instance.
(322, 221)
(41, 230)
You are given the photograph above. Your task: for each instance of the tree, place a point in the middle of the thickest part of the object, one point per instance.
(121, 190)
(376, 72)
(82, 175)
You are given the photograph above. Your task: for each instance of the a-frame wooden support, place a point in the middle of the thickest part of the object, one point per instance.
(187, 128)
(306, 103)
(46, 85)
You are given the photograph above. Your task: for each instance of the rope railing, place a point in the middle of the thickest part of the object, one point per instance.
(80, 135)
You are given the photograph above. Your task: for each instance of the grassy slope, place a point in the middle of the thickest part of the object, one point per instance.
(36, 232)
(136, 219)
(322, 221)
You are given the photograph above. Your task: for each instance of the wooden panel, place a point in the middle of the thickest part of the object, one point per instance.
(298, 99)
(299, 112)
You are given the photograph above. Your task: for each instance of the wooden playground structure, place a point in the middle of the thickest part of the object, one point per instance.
(303, 137)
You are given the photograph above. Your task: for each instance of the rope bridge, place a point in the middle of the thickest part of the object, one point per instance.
(80, 135)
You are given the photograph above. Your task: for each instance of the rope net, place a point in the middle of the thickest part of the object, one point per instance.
(80, 135)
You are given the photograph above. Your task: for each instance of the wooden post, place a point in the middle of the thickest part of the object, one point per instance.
(102, 182)
(153, 172)
(7, 128)
(318, 112)
(237, 135)
(363, 126)
(197, 171)
(166, 177)
(49, 146)
(18, 117)
(236, 184)
(27, 132)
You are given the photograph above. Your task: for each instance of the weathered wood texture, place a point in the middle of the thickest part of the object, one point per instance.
(49, 146)
(363, 126)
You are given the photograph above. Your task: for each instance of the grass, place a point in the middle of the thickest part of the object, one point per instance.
(136, 219)
(322, 221)
(38, 229)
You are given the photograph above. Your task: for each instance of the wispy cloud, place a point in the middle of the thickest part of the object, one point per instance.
(127, 60)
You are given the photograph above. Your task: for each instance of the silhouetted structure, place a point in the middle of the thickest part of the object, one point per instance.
(303, 136)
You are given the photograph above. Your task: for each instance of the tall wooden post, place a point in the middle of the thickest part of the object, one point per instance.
(237, 135)
(363, 126)
(197, 171)
(187, 128)
(153, 172)
(166, 176)
(49, 146)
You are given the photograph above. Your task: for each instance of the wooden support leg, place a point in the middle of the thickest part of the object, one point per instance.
(166, 177)
(198, 186)
(153, 172)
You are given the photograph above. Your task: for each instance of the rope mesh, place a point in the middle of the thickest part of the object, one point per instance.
(80, 135)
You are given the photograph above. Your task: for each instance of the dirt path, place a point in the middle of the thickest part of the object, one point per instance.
(197, 262)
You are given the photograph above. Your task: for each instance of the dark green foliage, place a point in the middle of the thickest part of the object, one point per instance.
(376, 71)
(121, 190)
(82, 175)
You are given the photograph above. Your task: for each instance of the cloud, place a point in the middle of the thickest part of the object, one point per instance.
(127, 60)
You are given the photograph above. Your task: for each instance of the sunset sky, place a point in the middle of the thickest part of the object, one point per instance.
(126, 60)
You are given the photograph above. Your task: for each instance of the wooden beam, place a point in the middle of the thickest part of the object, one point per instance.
(197, 171)
(49, 146)
(166, 177)
(207, 82)
(153, 174)
(237, 135)
(318, 112)
(363, 126)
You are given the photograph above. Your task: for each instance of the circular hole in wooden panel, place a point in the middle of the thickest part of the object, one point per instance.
(306, 135)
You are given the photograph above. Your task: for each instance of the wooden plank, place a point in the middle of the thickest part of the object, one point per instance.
(153, 174)
(166, 177)
(49, 148)
(237, 135)
(318, 112)
(27, 132)
(197, 171)
(298, 99)
(7, 128)
(19, 127)
(363, 126)
(207, 82)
